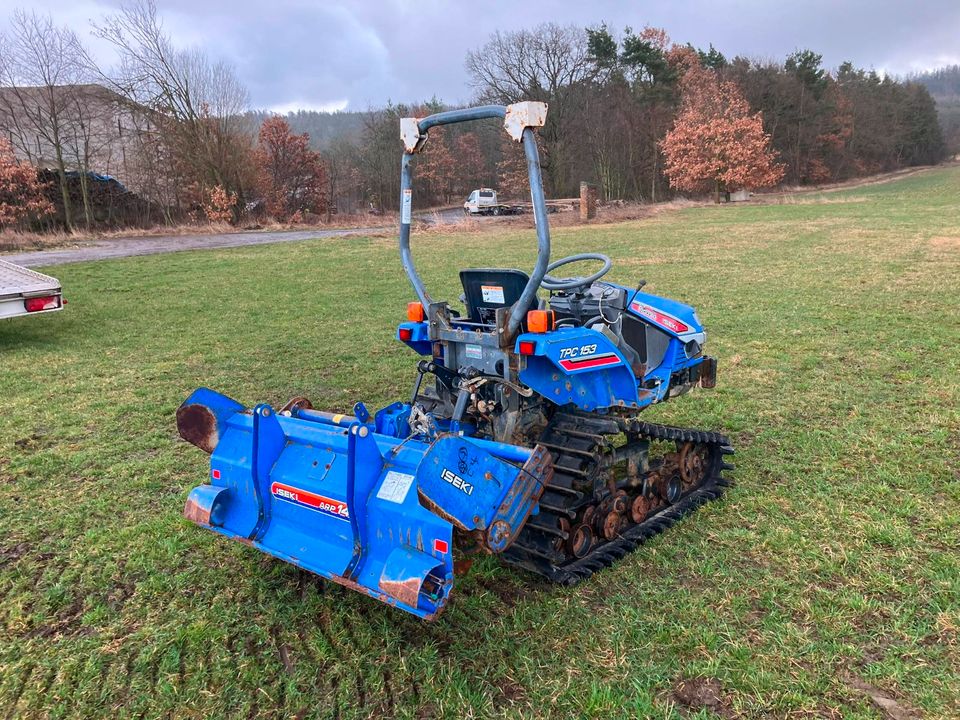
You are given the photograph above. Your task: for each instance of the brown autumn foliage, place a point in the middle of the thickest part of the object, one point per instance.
(512, 175)
(21, 193)
(291, 177)
(469, 162)
(436, 166)
(717, 143)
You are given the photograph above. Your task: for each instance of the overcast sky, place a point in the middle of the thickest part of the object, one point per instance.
(351, 54)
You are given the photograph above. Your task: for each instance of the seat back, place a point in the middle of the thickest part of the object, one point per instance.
(485, 290)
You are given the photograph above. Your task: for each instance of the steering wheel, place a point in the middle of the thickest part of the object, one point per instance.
(571, 283)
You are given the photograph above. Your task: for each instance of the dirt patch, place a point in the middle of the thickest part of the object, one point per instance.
(67, 623)
(698, 693)
(886, 703)
(512, 691)
(945, 245)
(945, 242)
(9, 555)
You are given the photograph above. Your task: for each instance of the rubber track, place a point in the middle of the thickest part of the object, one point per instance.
(524, 554)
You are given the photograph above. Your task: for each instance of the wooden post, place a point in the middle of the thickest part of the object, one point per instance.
(588, 201)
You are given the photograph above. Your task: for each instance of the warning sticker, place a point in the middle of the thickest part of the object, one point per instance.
(395, 487)
(492, 293)
(473, 351)
(406, 205)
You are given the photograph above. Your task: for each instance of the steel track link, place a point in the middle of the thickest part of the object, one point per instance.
(532, 551)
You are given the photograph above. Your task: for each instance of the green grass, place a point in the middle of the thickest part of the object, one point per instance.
(835, 561)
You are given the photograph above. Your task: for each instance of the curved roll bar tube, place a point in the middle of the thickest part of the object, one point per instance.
(519, 120)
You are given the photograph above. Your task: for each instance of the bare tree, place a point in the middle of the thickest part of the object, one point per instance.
(199, 102)
(42, 66)
(549, 63)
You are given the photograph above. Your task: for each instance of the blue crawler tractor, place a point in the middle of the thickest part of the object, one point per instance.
(521, 437)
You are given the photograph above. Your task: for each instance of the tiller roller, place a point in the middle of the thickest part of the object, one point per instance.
(524, 442)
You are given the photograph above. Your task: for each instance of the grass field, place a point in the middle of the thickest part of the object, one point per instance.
(826, 584)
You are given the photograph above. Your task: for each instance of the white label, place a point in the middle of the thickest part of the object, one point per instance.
(473, 351)
(492, 293)
(406, 205)
(395, 487)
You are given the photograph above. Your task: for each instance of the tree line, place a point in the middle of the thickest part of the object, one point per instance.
(944, 86)
(631, 111)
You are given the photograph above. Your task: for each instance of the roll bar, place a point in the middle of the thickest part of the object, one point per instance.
(519, 121)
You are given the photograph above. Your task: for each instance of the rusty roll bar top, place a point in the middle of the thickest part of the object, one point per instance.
(519, 121)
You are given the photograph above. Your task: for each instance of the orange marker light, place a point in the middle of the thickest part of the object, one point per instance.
(415, 312)
(540, 321)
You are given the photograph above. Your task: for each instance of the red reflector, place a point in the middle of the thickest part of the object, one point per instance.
(36, 304)
(527, 347)
(215, 474)
(441, 546)
(406, 334)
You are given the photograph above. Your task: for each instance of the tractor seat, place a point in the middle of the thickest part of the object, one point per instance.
(486, 290)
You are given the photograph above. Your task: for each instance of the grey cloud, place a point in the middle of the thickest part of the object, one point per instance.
(364, 53)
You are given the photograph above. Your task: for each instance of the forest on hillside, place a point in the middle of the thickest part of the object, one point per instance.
(638, 114)
(944, 86)
(614, 97)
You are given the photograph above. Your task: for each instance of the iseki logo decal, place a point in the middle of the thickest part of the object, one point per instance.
(457, 481)
(312, 501)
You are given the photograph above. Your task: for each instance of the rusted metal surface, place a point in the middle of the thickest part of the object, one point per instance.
(708, 372)
(296, 403)
(196, 512)
(694, 462)
(522, 115)
(640, 508)
(406, 591)
(201, 506)
(581, 539)
(611, 525)
(537, 471)
(198, 425)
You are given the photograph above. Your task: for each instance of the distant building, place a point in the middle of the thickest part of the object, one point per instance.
(96, 129)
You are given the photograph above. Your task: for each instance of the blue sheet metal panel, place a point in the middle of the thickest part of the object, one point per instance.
(393, 420)
(579, 366)
(268, 442)
(231, 468)
(466, 481)
(308, 510)
(671, 308)
(419, 336)
(283, 485)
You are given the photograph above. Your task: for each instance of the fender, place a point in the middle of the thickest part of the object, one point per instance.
(579, 366)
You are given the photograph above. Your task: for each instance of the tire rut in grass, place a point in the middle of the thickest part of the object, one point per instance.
(18, 691)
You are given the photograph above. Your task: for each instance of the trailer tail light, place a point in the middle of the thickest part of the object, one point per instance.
(540, 321)
(37, 304)
(406, 334)
(415, 312)
(527, 347)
